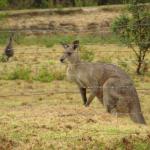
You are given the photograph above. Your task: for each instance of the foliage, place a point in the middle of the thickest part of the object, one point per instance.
(134, 31)
(19, 4)
(85, 3)
(3, 4)
(23, 4)
(41, 3)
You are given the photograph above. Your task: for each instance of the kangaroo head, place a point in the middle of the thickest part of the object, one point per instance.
(70, 54)
(11, 37)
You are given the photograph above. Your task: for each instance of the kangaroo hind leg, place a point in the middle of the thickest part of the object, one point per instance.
(110, 95)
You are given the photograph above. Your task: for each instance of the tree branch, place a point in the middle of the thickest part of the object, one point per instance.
(134, 50)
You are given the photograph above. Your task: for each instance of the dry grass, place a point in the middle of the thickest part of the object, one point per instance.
(48, 119)
(79, 21)
(36, 115)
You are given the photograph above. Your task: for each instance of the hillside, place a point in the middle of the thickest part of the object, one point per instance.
(61, 20)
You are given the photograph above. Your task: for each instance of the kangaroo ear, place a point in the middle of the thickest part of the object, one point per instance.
(11, 35)
(76, 44)
(64, 45)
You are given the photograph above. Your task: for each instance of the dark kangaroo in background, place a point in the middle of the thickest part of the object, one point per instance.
(9, 51)
(111, 85)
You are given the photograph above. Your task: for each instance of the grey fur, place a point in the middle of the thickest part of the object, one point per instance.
(9, 51)
(111, 85)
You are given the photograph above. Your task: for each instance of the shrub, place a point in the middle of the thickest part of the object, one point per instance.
(134, 31)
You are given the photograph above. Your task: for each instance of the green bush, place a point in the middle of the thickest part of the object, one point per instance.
(121, 27)
(134, 31)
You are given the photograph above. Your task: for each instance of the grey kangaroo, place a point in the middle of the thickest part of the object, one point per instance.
(9, 51)
(111, 85)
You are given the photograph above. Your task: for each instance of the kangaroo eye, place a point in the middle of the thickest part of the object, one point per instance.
(69, 53)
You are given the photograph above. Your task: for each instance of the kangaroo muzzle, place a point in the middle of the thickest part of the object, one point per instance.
(62, 60)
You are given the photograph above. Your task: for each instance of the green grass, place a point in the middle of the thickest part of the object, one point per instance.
(44, 75)
(4, 38)
(19, 73)
(3, 16)
(3, 58)
(86, 54)
(58, 120)
(25, 73)
(51, 40)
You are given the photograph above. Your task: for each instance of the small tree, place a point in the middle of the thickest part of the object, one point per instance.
(133, 30)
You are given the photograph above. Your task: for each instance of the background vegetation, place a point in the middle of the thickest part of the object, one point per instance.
(23, 4)
(134, 31)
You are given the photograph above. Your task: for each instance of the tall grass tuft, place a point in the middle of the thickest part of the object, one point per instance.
(86, 54)
(44, 75)
(19, 73)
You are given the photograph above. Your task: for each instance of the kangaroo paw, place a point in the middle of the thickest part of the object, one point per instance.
(86, 105)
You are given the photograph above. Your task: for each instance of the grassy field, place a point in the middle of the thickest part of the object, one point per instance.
(40, 112)
(39, 108)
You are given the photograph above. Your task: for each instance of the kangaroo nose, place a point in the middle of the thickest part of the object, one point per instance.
(61, 60)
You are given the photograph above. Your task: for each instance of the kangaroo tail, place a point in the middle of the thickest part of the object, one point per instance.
(135, 109)
(137, 117)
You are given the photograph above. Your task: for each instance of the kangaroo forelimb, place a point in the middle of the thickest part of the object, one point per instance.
(90, 99)
(83, 95)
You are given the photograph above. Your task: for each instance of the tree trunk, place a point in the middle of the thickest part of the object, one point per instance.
(139, 66)
(54, 2)
(138, 70)
(141, 62)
